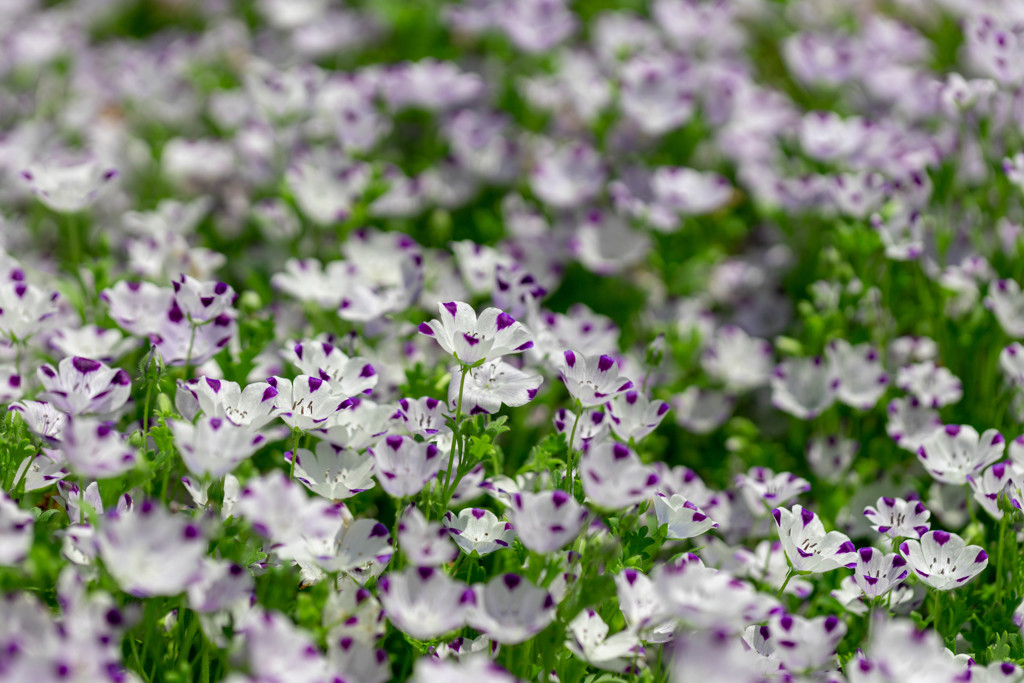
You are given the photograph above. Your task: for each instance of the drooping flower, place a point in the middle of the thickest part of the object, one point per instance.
(471, 339)
(956, 451)
(807, 546)
(944, 560)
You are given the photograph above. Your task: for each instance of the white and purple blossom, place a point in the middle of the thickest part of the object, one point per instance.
(510, 609)
(149, 551)
(479, 531)
(546, 521)
(81, 386)
(424, 602)
(958, 451)
(943, 560)
(592, 380)
(897, 518)
(471, 339)
(404, 466)
(807, 546)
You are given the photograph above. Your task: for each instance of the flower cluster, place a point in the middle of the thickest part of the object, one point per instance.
(512, 340)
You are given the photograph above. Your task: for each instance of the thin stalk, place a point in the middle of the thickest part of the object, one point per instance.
(455, 442)
(188, 356)
(571, 464)
(296, 435)
(789, 575)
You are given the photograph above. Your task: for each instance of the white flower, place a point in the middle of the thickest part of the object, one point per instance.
(479, 531)
(862, 379)
(151, 552)
(1006, 302)
(613, 476)
(957, 451)
(898, 518)
(933, 385)
(684, 519)
(807, 546)
(943, 560)
(16, 532)
(588, 639)
(68, 185)
(493, 384)
(426, 544)
(471, 339)
(805, 387)
(334, 472)
(592, 380)
(511, 610)
(739, 361)
(424, 602)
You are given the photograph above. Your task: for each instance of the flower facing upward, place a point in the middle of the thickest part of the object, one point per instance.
(470, 338)
(592, 380)
(944, 560)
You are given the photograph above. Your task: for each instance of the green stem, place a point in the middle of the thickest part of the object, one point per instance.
(571, 464)
(936, 611)
(999, 555)
(296, 435)
(445, 495)
(188, 356)
(789, 575)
